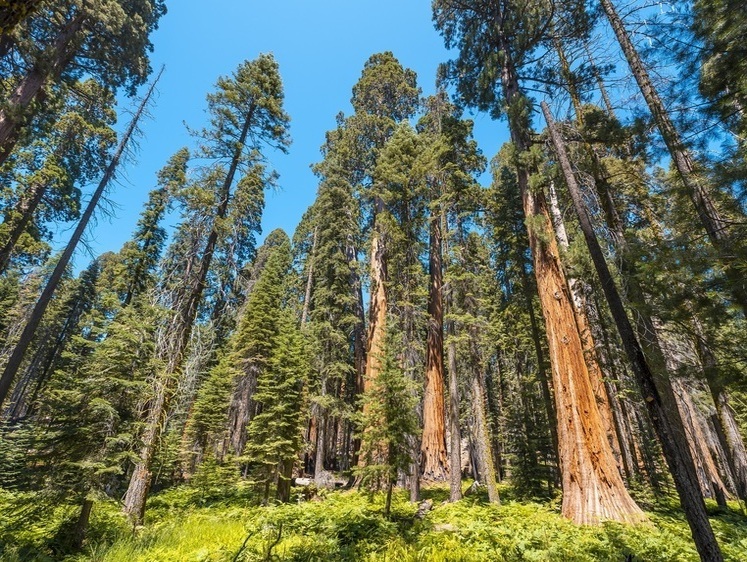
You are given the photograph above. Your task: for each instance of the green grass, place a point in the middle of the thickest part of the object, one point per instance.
(184, 525)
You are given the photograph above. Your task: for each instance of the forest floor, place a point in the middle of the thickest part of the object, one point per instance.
(190, 524)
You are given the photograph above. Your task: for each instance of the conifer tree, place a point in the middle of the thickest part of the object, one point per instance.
(227, 402)
(46, 175)
(332, 318)
(14, 362)
(141, 255)
(246, 114)
(388, 419)
(274, 434)
(385, 95)
(718, 225)
(108, 41)
(495, 40)
(667, 422)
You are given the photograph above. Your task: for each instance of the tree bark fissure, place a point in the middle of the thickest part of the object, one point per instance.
(435, 467)
(593, 489)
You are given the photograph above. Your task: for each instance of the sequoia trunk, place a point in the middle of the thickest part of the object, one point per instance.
(433, 447)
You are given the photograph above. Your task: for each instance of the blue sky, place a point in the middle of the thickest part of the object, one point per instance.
(320, 46)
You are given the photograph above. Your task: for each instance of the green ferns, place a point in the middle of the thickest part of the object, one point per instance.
(352, 526)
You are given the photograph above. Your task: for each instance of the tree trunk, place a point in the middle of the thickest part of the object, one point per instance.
(359, 340)
(309, 280)
(715, 225)
(377, 311)
(455, 434)
(545, 381)
(433, 447)
(81, 525)
(19, 219)
(482, 433)
(15, 114)
(593, 489)
(576, 288)
(285, 473)
(711, 484)
(666, 422)
(732, 442)
(243, 408)
(16, 358)
(182, 323)
(320, 475)
(725, 421)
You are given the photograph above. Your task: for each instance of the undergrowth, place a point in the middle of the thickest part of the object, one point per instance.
(186, 525)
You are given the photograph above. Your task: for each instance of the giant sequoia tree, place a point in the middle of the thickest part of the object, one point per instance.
(496, 40)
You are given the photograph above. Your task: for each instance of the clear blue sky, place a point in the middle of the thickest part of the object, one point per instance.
(320, 46)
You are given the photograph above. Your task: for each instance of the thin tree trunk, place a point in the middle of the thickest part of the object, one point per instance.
(435, 459)
(359, 341)
(726, 424)
(715, 225)
(666, 422)
(81, 525)
(18, 220)
(320, 475)
(455, 434)
(15, 114)
(309, 280)
(285, 473)
(164, 384)
(482, 432)
(732, 441)
(545, 381)
(16, 358)
(711, 484)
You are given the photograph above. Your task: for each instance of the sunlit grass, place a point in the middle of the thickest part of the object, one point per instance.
(350, 526)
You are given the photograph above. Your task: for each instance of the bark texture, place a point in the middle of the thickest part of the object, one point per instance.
(593, 489)
(435, 467)
(661, 405)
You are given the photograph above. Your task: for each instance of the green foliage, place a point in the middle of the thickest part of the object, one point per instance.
(388, 417)
(351, 526)
(274, 435)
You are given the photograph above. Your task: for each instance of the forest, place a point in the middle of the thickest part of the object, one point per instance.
(538, 354)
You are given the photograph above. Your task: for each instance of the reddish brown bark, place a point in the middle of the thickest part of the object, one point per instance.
(593, 489)
(578, 297)
(434, 466)
(657, 395)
